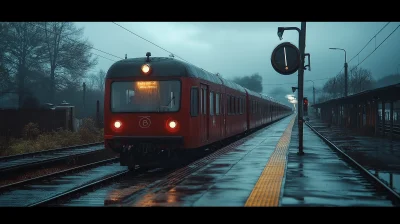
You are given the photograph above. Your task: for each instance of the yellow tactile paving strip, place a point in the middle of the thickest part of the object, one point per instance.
(268, 187)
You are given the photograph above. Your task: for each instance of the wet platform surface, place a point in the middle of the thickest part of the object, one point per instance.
(227, 181)
(380, 156)
(322, 178)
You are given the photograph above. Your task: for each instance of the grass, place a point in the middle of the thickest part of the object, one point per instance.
(34, 140)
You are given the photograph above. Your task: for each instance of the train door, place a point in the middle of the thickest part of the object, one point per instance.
(204, 117)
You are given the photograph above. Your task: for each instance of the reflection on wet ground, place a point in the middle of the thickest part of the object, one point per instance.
(227, 181)
(322, 178)
(381, 156)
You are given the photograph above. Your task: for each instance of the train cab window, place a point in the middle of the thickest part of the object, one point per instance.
(211, 103)
(217, 104)
(194, 102)
(145, 96)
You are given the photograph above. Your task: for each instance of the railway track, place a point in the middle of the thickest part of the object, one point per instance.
(394, 196)
(10, 164)
(45, 189)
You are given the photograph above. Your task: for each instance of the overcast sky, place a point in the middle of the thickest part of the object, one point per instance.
(237, 49)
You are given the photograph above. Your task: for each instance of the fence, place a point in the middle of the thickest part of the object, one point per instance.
(12, 121)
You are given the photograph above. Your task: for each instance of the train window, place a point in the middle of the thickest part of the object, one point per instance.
(204, 101)
(145, 96)
(222, 104)
(237, 106)
(211, 103)
(194, 102)
(231, 105)
(228, 101)
(217, 104)
(243, 105)
(240, 105)
(201, 101)
(234, 106)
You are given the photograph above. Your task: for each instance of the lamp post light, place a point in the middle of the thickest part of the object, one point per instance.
(345, 69)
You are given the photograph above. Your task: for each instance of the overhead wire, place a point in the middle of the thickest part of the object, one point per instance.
(175, 55)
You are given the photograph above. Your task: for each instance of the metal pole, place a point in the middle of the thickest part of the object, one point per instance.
(314, 98)
(345, 76)
(302, 45)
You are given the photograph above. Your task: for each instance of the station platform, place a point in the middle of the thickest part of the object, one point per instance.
(265, 170)
(322, 178)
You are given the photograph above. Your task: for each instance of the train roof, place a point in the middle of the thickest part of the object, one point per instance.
(168, 66)
(233, 85)
(172, 67)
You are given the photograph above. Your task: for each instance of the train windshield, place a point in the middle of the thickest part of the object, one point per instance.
(145, 96)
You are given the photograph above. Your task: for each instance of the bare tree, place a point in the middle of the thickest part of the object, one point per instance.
(101, 75)
(360, 80)
(68, 56)
(21, 44)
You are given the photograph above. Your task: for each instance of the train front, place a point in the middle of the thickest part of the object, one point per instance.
(142, 110)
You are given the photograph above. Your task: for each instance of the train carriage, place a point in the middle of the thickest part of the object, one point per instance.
(159, 106)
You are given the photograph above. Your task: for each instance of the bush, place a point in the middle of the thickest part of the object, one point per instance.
(30, 131)
(33, 140)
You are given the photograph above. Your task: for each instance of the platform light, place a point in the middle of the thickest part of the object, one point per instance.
(290, 97)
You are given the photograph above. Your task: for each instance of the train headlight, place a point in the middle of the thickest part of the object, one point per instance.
(172, 124)
(146, 69)
(117, 124)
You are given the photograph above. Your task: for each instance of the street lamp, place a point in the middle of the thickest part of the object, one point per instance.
(345, 68)
(313, 88)
(302, 46)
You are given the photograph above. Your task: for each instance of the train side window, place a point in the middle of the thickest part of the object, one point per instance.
(204, 101)
(237, 105)
(211, 103)
(243, 105)
(240, 105)
(228, 104)
(234, 105)
(222, 103)
(231, 105)
(217, 104)
(201, 101)
(194, 102)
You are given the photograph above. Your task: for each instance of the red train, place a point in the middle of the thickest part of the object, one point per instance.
(162, 105)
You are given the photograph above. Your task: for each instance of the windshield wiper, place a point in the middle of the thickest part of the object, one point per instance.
(173, 98)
